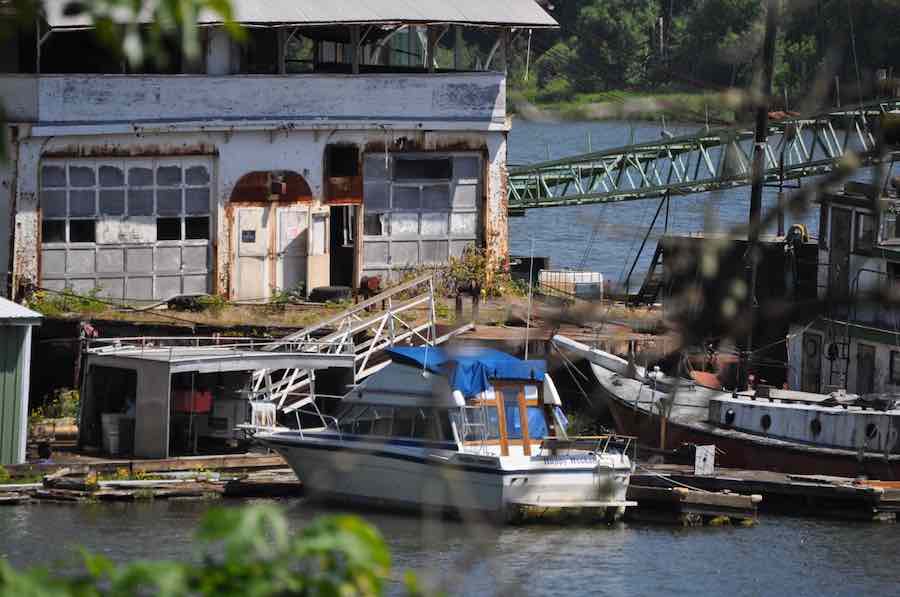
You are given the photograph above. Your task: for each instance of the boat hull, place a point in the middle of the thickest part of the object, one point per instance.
(411, 478)
(744, 451)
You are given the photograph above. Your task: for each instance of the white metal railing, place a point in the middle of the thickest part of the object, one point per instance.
(397, 322)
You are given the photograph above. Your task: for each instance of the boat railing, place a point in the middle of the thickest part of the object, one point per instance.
(480, 424)
(322, 416)
(598, 444)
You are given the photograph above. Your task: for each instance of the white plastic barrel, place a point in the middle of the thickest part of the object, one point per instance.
(109, 429)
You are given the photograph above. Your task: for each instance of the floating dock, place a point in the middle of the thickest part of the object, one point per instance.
(802, 495)
(691, 507)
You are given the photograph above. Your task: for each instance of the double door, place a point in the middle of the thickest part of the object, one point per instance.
(278, 249)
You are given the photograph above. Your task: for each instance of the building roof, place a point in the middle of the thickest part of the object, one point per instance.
(15, 314)
(490, 13)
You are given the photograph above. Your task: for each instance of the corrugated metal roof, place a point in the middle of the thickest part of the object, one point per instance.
(513, 13)
(11, 311)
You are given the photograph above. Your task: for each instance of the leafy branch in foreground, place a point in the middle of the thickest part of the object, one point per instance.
(246, 551)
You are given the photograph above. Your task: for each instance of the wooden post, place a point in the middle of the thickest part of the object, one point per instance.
(501, 420)
(523, 415)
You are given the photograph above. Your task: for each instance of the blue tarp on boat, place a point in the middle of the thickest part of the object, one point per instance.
(470, 369)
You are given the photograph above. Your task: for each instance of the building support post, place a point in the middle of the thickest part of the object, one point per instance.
(354, 47)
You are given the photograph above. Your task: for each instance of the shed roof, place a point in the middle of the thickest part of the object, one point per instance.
(206, 359)
(15, 314)
(492, 13)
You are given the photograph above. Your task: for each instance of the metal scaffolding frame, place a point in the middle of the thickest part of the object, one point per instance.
(699, 162)
(395, 323)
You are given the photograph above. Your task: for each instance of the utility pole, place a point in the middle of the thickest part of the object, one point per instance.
(759, 157)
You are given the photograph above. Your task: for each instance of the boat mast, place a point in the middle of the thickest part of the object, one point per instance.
(759, 167)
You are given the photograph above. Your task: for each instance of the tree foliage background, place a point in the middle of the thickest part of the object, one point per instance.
(705, 45)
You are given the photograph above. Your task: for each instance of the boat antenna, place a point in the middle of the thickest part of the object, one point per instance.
(530, 295)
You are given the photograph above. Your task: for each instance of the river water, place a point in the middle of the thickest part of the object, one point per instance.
(780, 556)
(565, 233)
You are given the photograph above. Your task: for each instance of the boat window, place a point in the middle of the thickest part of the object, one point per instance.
(513, 420)
(382, 420)
(348, 417)
(424, 424)
(482, 423)
(363, 423)
(443, 419)
(537, 423)
(403, 422)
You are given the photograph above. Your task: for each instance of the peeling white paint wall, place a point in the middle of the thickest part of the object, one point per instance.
(478, 97)
(242, 152)
(20, 97)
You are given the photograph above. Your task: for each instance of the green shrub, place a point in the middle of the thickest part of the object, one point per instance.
(56, 304)
(214, 303)
(243, 551)
(62, 403)
(557, 90)
(4, 475)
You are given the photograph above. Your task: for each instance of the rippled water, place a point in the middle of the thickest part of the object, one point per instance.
(780, 556)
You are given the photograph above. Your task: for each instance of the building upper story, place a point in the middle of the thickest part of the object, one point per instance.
(431, 64)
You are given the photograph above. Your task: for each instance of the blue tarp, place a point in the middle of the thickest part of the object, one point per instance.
(469, 369)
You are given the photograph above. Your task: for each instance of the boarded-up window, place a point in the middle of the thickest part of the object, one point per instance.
(419, 209)
(102, 220)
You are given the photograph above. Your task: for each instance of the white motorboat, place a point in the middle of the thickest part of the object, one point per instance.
(475, 429)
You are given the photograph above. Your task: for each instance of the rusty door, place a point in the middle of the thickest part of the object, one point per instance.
(318, 263)
(251, 237)
(291, 252)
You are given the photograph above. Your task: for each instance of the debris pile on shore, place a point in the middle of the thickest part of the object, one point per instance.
(85, 485)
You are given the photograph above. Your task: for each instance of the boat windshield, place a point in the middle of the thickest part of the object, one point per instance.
(482, 423)
(401, 422)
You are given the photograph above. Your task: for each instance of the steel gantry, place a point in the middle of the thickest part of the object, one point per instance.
(708, 160)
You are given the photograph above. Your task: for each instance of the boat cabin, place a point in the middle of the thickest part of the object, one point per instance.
(482, 400)
(853, 346)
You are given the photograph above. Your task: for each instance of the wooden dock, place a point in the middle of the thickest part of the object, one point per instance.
(803, 495)
(691, 507)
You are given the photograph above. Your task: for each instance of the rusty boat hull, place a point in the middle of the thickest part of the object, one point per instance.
(635, 398)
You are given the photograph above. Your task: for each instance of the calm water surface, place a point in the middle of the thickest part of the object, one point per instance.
(780, 556)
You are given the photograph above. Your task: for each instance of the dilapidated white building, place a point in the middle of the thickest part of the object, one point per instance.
(337, 140)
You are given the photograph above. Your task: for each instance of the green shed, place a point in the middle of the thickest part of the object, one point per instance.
(15, 366)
